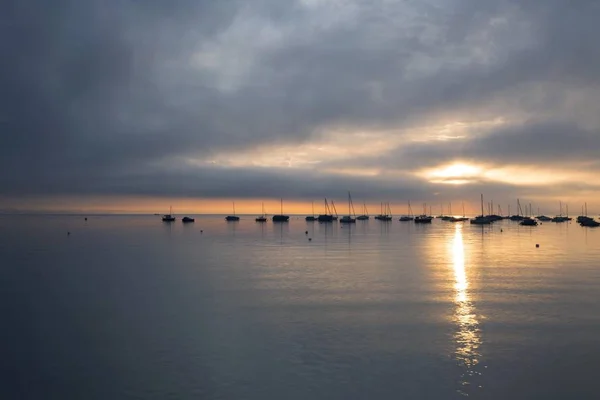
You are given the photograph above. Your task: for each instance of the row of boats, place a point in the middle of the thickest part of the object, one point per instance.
(171, 218)
(530, 220)
(330, 215)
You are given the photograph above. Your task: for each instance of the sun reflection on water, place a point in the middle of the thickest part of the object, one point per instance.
(468, 334)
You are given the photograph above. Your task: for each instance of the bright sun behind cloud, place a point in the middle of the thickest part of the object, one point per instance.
(457, 173)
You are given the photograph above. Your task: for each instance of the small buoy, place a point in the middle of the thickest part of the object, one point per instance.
(306, 232)
(501, 230)
(537, 245)
(310, 239)
(201, 231)
(68, 233)
(86, 218)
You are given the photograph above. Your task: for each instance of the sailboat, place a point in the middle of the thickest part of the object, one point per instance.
(327, 217)
(481, 219)
(281, 217)
(347, 219)
(380, 216)
(441, 216)
(491, 216)
(460, 219)
(232, 217)
(263, 216)
(590, 223)
(424, 218)
(312, 217)
(169, 217)
(409, 217)
(448, 217)
(518, 216)
(560, 218)
(528, 220)
(586, 221)
(583, 219)
(335, 213)
(386, 212)
(365, 214)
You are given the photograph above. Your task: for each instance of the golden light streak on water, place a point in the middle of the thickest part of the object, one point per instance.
(468, 334)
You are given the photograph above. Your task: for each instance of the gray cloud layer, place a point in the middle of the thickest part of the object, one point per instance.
(96, 93)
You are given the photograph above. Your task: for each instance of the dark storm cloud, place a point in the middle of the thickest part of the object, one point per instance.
(94, 93)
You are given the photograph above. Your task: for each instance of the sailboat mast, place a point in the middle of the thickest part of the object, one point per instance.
(233, 202)
(282, 206)
(349, 203)
(560, 207)
(482, 204)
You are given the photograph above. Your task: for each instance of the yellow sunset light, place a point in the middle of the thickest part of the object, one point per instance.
(458, 173)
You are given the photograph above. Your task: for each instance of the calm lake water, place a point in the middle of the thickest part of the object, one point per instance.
(131, 307)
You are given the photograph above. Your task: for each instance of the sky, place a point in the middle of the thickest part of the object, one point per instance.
(136, 105)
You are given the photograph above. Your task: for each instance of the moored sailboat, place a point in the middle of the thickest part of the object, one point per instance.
(169, 217)
(424, 218)
(280, 217)
(409, 216)
(347, 219)
(560, 217)
(386, 213)
(518, 216)
(327, 216)
(232, 217)
(448, 217)
(335, 213)
(311, 218)
(365, 214)
(262, 217)
(481, 219)
(460, 219)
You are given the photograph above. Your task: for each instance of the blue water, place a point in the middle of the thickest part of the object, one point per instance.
(130, 307)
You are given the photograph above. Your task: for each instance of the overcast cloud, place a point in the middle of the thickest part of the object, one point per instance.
(119, 97)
